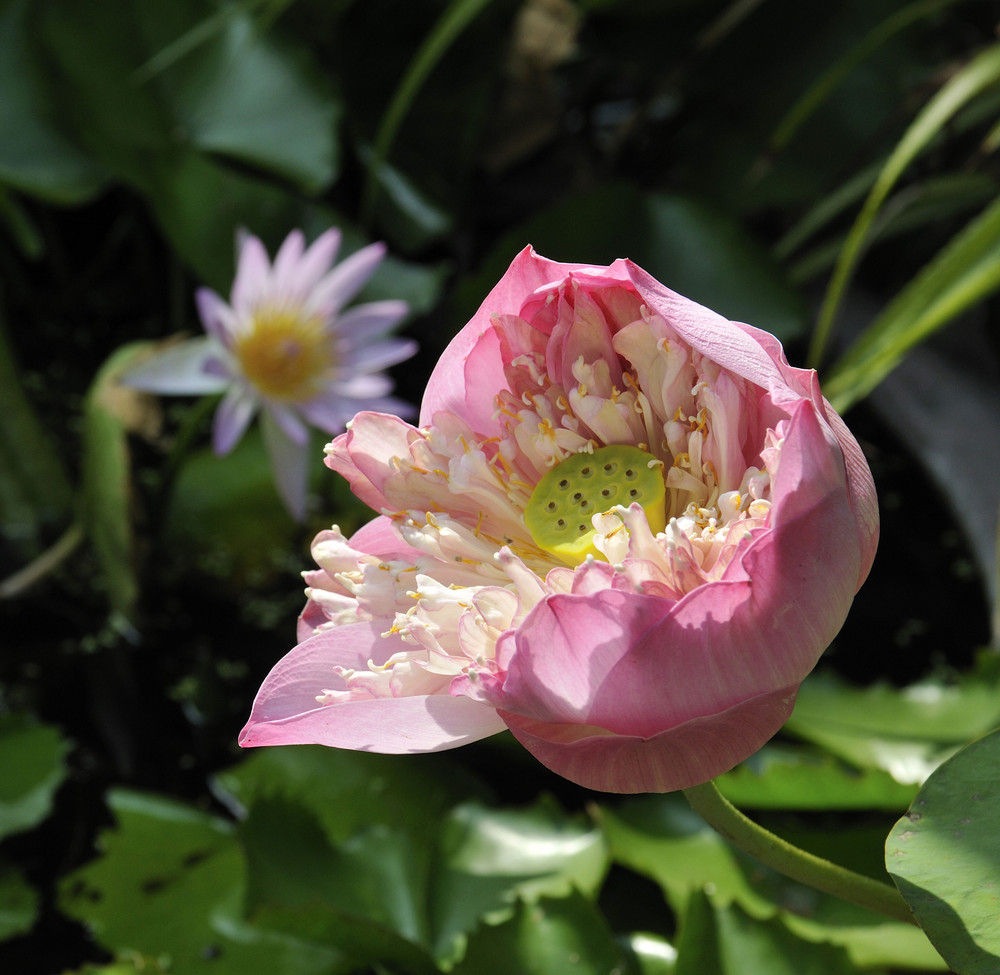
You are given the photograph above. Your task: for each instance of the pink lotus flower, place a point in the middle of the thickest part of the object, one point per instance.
(284, 346)
(625, 529)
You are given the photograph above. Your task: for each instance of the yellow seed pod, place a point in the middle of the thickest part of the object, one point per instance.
(560, 510)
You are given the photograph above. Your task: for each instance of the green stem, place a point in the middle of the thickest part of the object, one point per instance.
(48, 561)
(780, 855)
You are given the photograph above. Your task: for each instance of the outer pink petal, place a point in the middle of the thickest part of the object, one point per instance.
(686, 755)
(285, 711)
(465, 382)
(621, 664)
(861, 490)
(739, 349)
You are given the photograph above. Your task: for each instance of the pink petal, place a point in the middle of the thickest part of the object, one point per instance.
(687, 754)
(861, 491)
(364, 454)
(285, 711)
(465, 383)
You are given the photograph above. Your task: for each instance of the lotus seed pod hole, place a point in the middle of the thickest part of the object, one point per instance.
(560, 512)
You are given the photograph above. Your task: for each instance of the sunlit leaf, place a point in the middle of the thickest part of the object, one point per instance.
(31, 756)
(944, 855)
(18, 902)
(907, 731)
(661, 838)
(649, 954)
(564, 935)
(366, 896)
(490, 857)
(347, 790)
(724, 940)
(961, 87)
(779, 777)
(169, 883)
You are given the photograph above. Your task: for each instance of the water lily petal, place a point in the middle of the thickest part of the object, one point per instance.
(289, 463)
(179, 370)
(232, 418)
(363, 323)
(347, 278)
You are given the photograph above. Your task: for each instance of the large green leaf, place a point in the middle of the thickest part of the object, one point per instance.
(544, 937)
(239, 94)
(489, 857)
(169, 884)
(724, 940)
(31, 756)
(906, 731)
(662, 838)
(348, 790)
(944, 855)
(388, 844)
(18, 902)
(244, 95)
(366, 896)
(780, 777)
(37, 154)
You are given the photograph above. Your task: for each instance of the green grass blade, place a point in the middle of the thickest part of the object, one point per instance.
(453, 21)
(820, 90)
(965, 84)
(965, 272)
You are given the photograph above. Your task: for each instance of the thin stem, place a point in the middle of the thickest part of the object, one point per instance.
(780, 855)
(47, 562)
